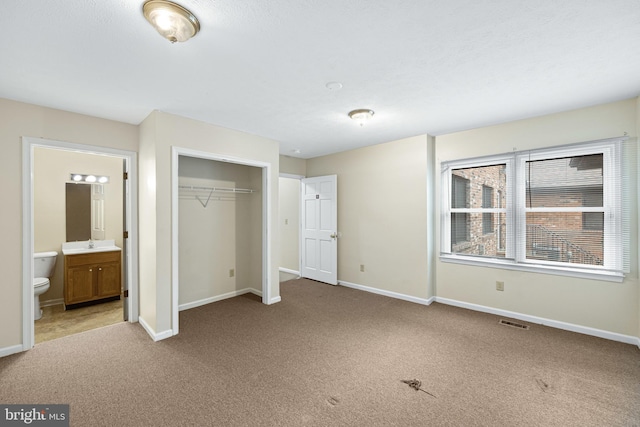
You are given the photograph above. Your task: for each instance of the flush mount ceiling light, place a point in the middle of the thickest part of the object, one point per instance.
(361, 115)
(172, 21)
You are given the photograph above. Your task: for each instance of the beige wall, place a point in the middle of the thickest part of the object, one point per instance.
(382, 211)
(289, 223)
(51, 170)
(597, 304)
(218, 233)
(17, 120)
(158, 133)
(293, 166)
(638, 204)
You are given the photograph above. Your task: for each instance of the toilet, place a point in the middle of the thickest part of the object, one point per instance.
(43, 265)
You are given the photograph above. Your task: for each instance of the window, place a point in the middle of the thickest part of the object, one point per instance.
(459, 221)
(472, 211)
(487, 202)
(555, 210)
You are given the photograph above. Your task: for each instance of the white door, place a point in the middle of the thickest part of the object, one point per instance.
(319, 236)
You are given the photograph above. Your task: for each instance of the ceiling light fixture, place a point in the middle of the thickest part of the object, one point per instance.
(172, 21)
(361, 115)
(78, 177)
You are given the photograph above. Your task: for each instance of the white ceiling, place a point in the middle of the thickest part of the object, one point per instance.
(423, 66)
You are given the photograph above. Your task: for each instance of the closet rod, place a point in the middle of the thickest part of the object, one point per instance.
(218, 189)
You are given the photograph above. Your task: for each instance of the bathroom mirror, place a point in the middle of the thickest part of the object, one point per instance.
(84, 211)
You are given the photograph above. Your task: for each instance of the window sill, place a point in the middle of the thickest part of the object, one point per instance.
(608, 276)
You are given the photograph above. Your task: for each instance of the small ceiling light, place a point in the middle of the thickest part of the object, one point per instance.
(103, 179)
(90, 178)
(361, 115)
(172, 21)
(76, 177)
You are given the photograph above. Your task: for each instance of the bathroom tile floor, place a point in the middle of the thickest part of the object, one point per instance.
(57, 323)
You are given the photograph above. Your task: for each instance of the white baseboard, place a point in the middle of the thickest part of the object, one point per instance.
(49, 303)
(6, 351)
(286, 270)
(391, 294)
(275, 300)
(152, 333)
(198, 303)
(543, 321)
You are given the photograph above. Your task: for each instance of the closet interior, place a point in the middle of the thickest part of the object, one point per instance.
(219, 230)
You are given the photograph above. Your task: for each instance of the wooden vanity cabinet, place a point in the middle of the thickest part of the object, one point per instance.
(91, 276)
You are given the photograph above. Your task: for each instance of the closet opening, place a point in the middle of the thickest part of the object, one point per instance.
(220, 224)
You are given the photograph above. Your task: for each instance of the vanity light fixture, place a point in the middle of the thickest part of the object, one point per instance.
(361, 116)
(172, 21)
(78, 177)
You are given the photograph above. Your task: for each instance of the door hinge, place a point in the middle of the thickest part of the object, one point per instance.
(125, 234)
(126, 293)
(125, 175)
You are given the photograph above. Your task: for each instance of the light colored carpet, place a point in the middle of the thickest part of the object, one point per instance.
(331, 356)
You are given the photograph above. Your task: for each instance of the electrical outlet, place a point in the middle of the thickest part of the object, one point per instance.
(362, 268)
(499, 286)
(232, 272)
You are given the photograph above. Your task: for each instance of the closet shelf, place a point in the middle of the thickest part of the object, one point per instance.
(216, 189)
(197, 191)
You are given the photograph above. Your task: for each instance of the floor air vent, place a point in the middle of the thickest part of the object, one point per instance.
(513, 324)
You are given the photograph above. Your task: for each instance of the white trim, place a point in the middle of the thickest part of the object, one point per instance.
(176, 152)
(6, 351)
(417, 300)
(431, 197)
(28, 329)
(275, 300)
(52, 302)
(152, 333)
(266, 231)
(287, 270)
(613, 336)
(130, 157)
(175, 212)
(205, 301)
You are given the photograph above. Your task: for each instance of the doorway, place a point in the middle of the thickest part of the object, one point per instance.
(289, 225)
(44, 216)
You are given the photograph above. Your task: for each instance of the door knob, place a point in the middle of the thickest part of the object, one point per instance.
(333, 235)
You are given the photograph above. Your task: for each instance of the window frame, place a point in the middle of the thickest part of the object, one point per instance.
(515, 211)
(446, 209)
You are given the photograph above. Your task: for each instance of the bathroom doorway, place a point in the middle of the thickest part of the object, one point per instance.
(47, 169)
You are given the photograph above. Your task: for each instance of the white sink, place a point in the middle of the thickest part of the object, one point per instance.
(88, 246)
